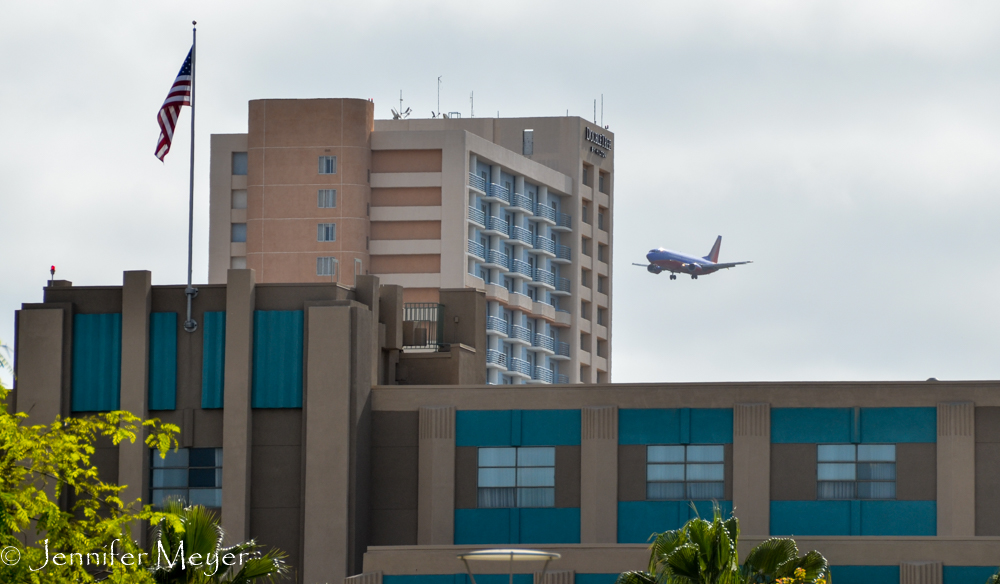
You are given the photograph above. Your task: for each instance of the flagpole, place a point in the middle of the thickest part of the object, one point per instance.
(190, 325)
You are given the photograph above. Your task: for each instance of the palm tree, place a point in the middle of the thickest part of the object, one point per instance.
(195, 530)
(704, 552)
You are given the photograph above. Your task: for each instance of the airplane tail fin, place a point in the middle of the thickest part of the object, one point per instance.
(713, 256)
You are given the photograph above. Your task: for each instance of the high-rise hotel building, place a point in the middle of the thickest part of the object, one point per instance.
(318, 190)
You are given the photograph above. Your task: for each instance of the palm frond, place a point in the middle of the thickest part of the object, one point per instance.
(635, 577)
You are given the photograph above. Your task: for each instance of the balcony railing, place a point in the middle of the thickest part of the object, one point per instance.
(520, 333)
(499, 258)
(520, 234)
(494, 357)
(422, 324)
(545, 212)
(544, 277)
(562, 349)
(544, 342)
(562, 378)
(545, 244)
(521, 267)
(477, 216)
(477, 249)
(477, 182)
(496, 324)
(542, 374)
(522, 202)
(498, 224)
(564, 220)
(499, 192)
(520, 366)
(564, 252)
(562, 285)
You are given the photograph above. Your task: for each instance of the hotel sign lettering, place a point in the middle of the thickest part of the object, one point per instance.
(600, 140)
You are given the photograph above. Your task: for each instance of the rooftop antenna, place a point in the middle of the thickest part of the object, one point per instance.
(52, 275)
(472, 104)
(400, 114)
(602, 110)
(595, 112)
(439, 94)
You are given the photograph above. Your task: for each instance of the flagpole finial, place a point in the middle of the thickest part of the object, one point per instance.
(194, 22)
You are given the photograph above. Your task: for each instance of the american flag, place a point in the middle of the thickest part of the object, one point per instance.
(179, 95)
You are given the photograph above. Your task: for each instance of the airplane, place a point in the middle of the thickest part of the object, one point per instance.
(663, 259)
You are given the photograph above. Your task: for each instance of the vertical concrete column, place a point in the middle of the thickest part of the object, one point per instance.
(366, 290)
(236, 413)
(599, 475)
(921, 573)
(956, 469)
(328, 414)
(436, 476)
(133, 457)
(752, 467)
(39, 364)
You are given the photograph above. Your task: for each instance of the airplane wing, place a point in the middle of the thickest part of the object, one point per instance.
(729, 265)
(640, 265)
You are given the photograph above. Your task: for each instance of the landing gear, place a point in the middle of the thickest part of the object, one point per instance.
(694, 276)
(673, 276)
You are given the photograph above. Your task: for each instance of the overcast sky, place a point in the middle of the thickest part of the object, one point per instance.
(850, 149)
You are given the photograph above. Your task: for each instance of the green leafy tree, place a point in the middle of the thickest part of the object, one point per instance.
(704, 552)
(194, 532)
(44, 464)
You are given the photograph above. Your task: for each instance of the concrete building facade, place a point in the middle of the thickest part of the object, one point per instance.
(288, 391)
(520, 208)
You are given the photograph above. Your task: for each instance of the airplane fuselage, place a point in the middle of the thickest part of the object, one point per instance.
(680, 263)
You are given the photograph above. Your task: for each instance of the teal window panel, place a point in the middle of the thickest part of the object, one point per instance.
(711, 426)
(898, 517)
(483, 428)
(483, 526)
(550, 427)
(897, 425)
(865, 574)
(638, 520)
(492, 578)
(811, 518)
(432, 579)
(97, 362)
(549, 525)
(649, 426)
(966, 574)
(277, 359)
(596, 578)
(811, 425)
(163, 361)
(213, 359)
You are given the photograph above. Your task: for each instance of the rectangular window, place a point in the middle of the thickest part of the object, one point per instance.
(191, 475)
(239, 232)
(586, 174)
(600, 219)
(240, 163)
(602, 315)
(602, 252)
(328, 165)
(856, 471)
(327, 198)
(602, 284)
(326, 266)
(240, 199)
(326, 232)
(691, 472)
(586, 214)
(602, 183)
(238, 262)
(517, 477)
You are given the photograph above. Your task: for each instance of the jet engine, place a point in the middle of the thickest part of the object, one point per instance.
(654, 269)
(691, 267)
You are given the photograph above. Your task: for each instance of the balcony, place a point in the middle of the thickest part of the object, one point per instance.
(521, 267)
(564, 254)
(521, 202)
(497, 259)
(562, 378)
(495, 359)
(520, 235)
(562, 351)
(422, 325)
(562, 287)
(544, 342)
(520, 366)
(477, 216)
(498, 193)
(563, 222)
(477, 182)
(545, 246)
(496, 325)
(545, 278)
(476, 249)
(496, 226)
(545, 213)
(542, 374)
(519, 334)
